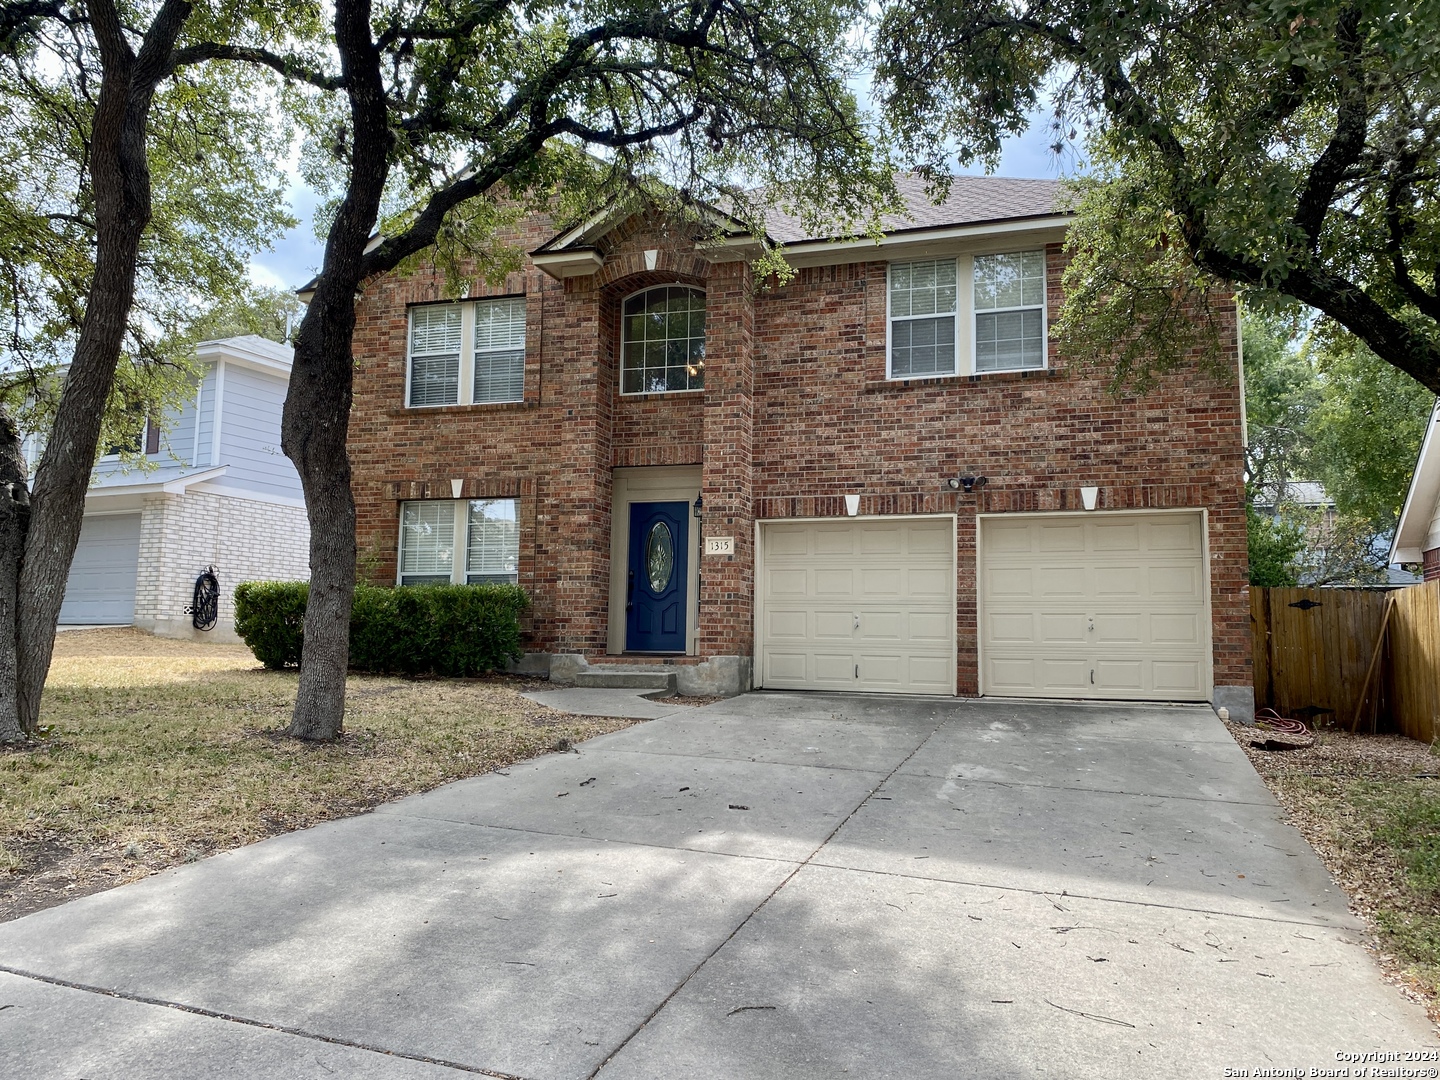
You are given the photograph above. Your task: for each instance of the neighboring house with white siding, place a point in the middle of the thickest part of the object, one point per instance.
(219, 493)
(1417, 537)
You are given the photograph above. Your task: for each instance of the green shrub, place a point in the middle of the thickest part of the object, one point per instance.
(270, 617)
(452, 630)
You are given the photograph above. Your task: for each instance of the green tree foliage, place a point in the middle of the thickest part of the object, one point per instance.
(1281, 395)
(1333, 413)
(216, 194)
(249, 309)
(1366, 431)
(1287, 147)
(1275, 546)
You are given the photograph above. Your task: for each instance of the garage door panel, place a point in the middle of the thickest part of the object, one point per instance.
(878, 601)
(1056, 629)
(1008, 538)
(930, 674)
(834, 625)
(928, 584)
(935, 540)
(1178, 677)
(1054, 539)
(1125, 675)
(788, 541)
(1003, 583)
(1175, 581)
(933, 627)
(1056, 673)
(1176, 628)
(882, 668)
(1124, 616)
(1112, 581)
(882, 581)
(787, 582)
(786, 667)
(1120, 629)
(1015, 675)
(877, 626)
(832, 541)
(1011, 627)
(834, 667)
(1054, 582)
(786, 623)
(1117, 537)
(1177, 535)
(880, 540)
(832, 582)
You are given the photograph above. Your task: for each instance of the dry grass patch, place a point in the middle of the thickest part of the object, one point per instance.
(157, 752)
(1370, 806)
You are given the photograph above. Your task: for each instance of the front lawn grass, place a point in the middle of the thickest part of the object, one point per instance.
(1370, 806)
(156, 752)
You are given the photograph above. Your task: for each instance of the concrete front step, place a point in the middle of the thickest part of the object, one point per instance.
(626, 677)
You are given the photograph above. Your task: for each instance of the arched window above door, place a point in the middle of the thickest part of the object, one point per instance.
(662, 346)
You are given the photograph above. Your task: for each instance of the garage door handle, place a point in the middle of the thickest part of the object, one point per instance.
(857, 622)
(1092, 676)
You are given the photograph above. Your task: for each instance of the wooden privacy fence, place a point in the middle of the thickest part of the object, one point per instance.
(1320, 656)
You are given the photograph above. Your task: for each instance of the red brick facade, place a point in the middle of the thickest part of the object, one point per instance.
(796, 412)
(1432, 564)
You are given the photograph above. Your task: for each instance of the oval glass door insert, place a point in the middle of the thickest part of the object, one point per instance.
(659, 556)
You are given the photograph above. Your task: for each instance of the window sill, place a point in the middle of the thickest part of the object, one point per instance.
(447, 410)
(882, 386)
(658, 394)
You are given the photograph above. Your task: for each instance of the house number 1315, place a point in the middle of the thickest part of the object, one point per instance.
(719, 545)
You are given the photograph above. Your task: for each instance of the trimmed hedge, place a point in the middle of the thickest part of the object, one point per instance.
(452, 630)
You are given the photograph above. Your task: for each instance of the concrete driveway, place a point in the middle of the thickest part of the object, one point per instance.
(781, 885)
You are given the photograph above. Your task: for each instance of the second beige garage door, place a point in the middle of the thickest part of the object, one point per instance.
(1094, 605)
(862, 605)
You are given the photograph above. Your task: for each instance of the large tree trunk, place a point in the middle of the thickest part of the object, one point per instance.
(121, 176)
(317, 407)
(14, 516)
(315, 426)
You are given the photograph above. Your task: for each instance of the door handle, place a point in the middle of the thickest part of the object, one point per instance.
(857, 623)
(630, 592)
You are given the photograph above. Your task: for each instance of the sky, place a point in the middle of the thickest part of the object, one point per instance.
(297, 255)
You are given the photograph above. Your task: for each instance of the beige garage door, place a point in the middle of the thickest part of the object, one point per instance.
(858, 605)
(1094, 605)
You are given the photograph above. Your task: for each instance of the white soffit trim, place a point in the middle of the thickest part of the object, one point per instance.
(251, 351)
(1421, 499)
(175, 486)
(565, 264)
(921, 243)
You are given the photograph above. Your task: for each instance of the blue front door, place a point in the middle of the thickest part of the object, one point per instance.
(655, 579)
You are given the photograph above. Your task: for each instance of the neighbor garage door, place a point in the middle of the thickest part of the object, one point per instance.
(101, 585)
(858, 605)
(1094, 606)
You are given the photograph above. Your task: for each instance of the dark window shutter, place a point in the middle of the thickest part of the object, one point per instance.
(152, 436)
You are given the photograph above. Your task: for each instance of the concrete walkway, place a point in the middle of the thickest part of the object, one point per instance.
(780, 885)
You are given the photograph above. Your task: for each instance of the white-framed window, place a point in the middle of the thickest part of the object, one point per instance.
(923, 314)
(1010, 311)
(459, 541)
(967, 315)
(662, 340)
(467, 353)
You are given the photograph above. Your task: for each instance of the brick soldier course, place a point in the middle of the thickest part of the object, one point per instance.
(796, 412)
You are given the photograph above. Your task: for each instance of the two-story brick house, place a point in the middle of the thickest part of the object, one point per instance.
(878, 476)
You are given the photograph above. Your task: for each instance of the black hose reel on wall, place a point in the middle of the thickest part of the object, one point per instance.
(204, 612)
